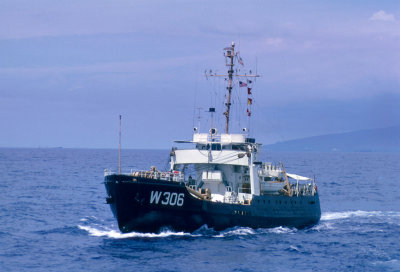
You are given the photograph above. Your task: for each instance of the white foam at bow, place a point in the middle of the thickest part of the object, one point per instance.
(117, 235)
(280, 230)
(239, 231)
(323, 226)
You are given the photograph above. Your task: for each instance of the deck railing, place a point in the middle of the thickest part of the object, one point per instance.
(168, 176)
(303, 189)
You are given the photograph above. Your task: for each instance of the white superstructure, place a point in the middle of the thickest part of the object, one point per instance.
(223, 164)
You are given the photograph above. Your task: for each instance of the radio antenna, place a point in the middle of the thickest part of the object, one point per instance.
(119, 147)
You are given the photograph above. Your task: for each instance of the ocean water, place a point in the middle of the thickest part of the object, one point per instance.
(53, 217)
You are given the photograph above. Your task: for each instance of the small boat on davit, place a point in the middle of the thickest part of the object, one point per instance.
(217, 181)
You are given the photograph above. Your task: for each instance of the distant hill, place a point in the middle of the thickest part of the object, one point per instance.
(371, 140)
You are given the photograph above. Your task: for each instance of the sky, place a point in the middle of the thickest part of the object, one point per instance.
(68, 69)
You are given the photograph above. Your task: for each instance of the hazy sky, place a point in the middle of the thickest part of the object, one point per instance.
(69, 68)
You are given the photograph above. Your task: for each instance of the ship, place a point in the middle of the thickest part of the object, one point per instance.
(215, 180)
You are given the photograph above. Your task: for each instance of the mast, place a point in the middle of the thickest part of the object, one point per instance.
(229, 58)
(230, 53)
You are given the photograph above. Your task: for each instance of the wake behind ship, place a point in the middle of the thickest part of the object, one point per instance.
(216, 181)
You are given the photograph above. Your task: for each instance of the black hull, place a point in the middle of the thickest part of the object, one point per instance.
(148, 205)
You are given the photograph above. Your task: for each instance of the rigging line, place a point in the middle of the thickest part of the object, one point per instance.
(166, 165)
(238, 107)
(249, 130)
(219, 153)
(211, 90)
(205, 166)
(249, 117)
(231, 157)
(195, 100)
(226, 160)
(218, 156)
(222, 98)
(216, 116)
(226, 157)
(204, 154)
(257, 118)
(243, 97)
(216, 91)
(201, 167)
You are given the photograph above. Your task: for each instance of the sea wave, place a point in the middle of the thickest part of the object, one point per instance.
(294, 249)
(321, 226)
(245, 231)
(238, 231)
(328, 216)
(281, 230)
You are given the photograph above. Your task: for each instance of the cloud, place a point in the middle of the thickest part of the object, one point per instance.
(382, 16)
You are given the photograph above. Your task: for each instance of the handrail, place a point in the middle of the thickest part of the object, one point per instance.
(168, 176)
(303, 189)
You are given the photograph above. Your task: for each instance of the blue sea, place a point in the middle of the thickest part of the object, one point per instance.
(53, 217)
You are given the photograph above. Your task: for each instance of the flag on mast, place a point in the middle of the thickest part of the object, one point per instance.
(249, 101)
(248, 112)
(248, 90)
(240, 61)
(242, 84)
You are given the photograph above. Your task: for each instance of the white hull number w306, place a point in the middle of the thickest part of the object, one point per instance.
(168, 198)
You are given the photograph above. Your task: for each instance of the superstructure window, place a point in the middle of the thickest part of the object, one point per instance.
(226, 147)
(216, 147)
(201, 146)
(238, 147)
(237, 169)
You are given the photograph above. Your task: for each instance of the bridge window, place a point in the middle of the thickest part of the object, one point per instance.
(227, 146)
(216, 147)
(237, 169)
(238, 147)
